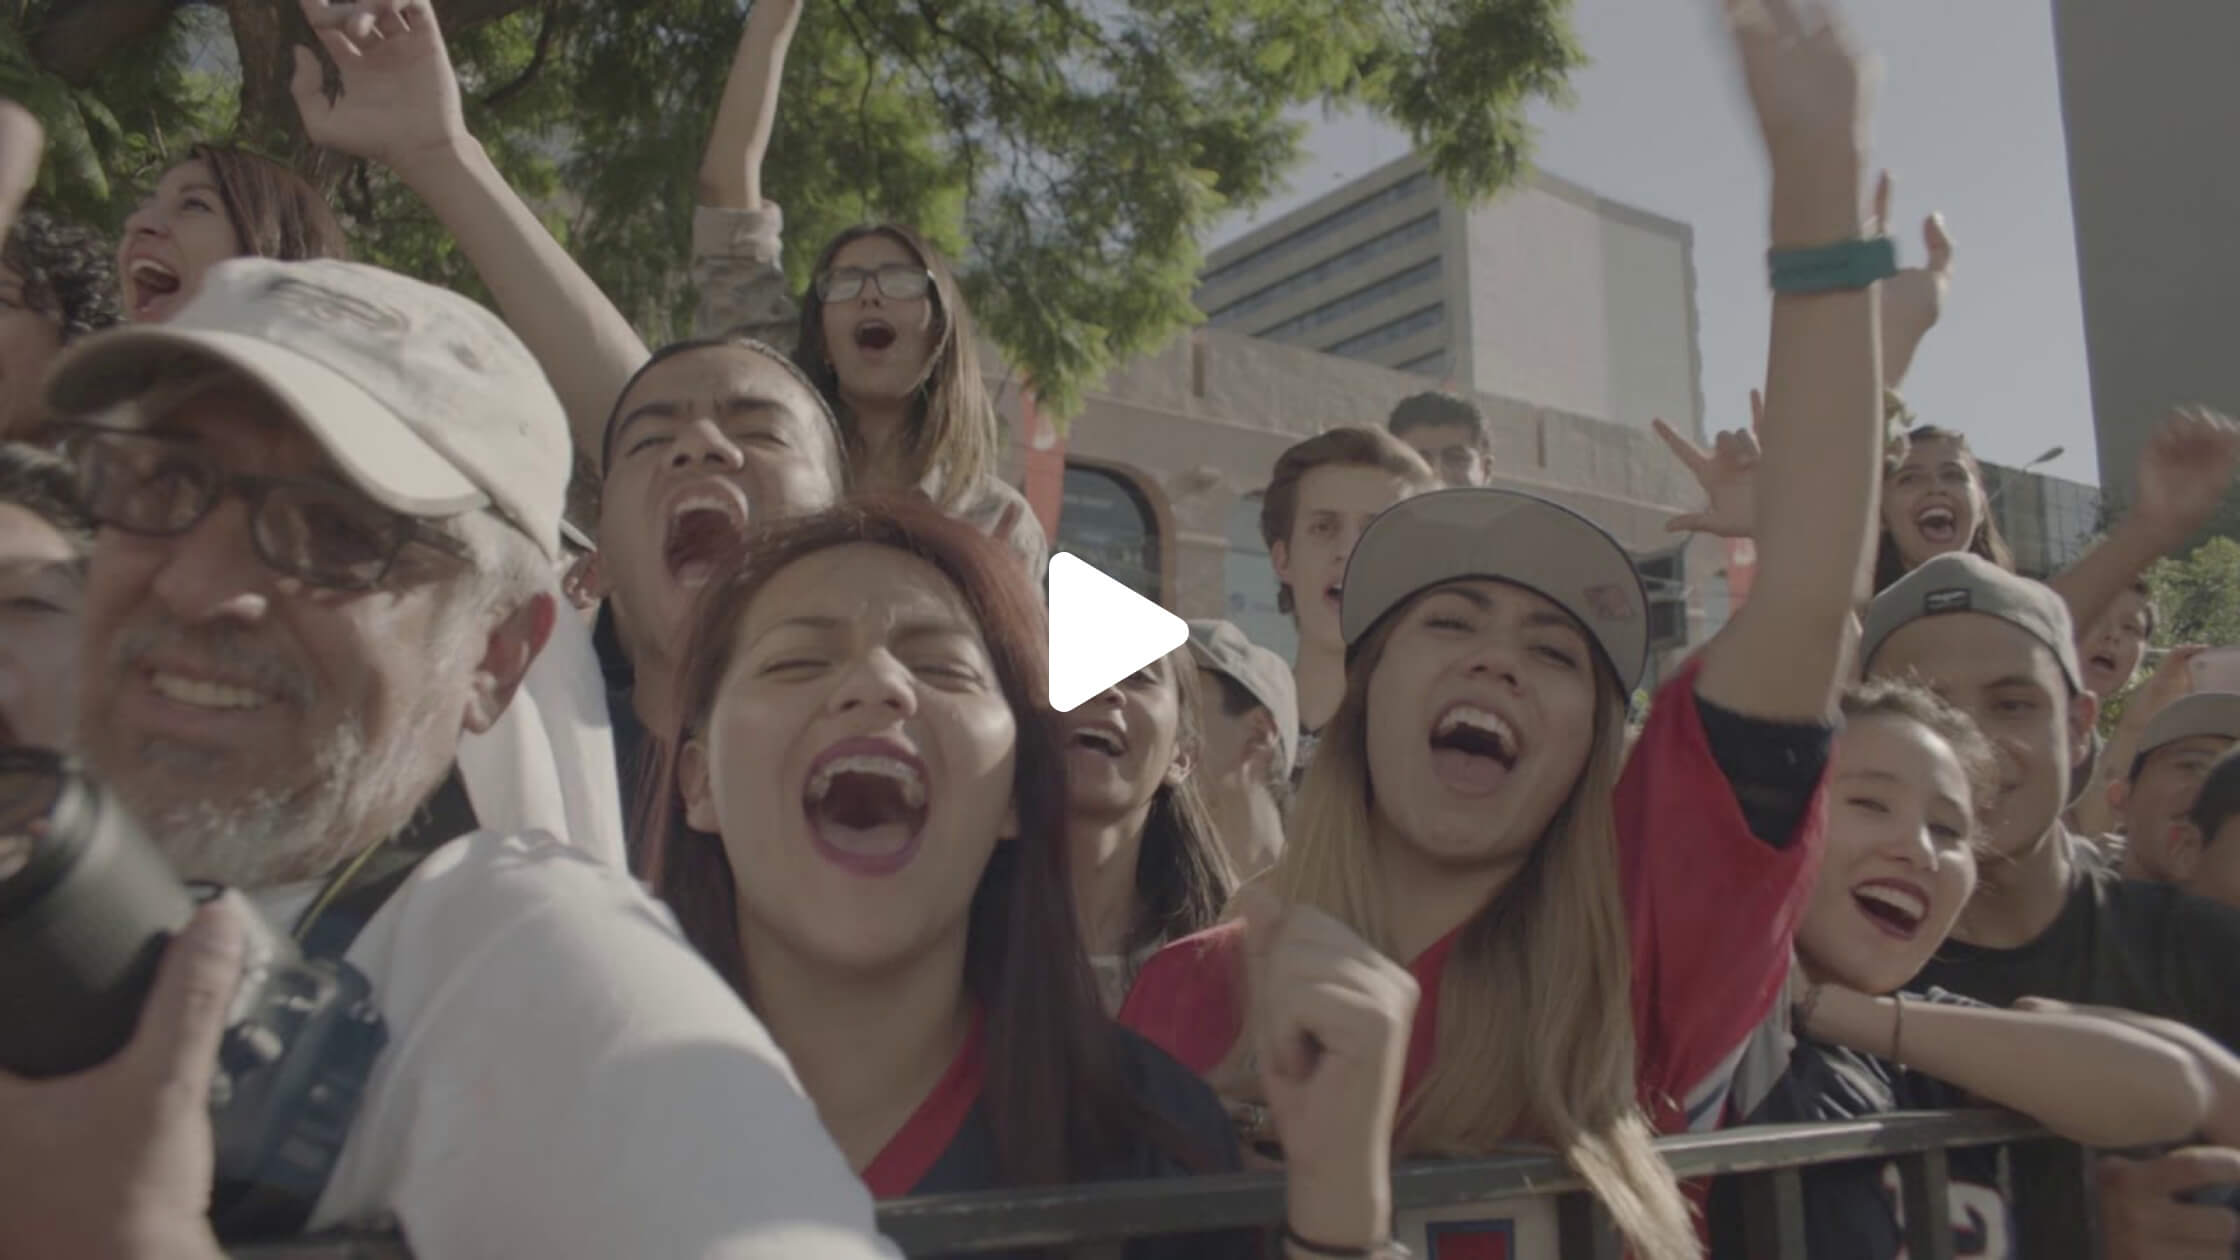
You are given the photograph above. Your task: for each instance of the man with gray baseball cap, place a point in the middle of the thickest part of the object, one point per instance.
(2048, 919)
(328, 501)
(1249, 713)
(2159, 786)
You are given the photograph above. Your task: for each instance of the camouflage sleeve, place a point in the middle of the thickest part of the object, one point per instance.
(738, 272)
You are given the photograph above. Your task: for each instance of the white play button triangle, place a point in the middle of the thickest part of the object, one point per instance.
(1100, 632)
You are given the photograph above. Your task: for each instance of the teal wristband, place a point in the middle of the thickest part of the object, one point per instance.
(1833, 268)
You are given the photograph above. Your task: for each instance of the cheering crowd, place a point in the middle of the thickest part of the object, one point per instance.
(727, 870)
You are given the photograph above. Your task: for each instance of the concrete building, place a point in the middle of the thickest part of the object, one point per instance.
(2152, 111)
(2048, 521)
(1163, 469)
(1549, 295)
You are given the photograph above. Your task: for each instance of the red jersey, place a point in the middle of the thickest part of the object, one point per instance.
(1712, 911)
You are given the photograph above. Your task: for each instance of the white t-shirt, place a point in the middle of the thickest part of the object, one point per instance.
(565, 1078)
(547, 764)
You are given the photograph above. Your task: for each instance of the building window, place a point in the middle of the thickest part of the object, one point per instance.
(1407, 189)
(1109, 522)
(1354, 303)
(1401, 329)
(1249, 581)
(1432, 364)
(1283, 290)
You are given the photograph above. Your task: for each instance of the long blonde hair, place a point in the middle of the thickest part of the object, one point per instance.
(1536, 1037)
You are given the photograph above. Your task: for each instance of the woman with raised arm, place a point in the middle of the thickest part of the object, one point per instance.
(1596, 932)
(1907, 784)
(1148, 868)
(884, 328)
(862, 827)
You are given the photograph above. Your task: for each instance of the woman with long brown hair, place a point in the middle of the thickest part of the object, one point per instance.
(1148, 866)
(884, 328)
(220, 202)
(1595, 931)
(862, 827)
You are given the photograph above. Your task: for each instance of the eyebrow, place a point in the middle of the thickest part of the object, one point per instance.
(1879, 776)
(919, 628)
(1538, 618)
(729, 406)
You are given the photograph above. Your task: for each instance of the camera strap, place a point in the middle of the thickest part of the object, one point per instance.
(356, 893)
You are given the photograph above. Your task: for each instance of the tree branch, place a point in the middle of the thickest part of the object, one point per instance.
(545, 28)
(80, 35)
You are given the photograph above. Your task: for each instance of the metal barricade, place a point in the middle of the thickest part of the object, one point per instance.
(2051, 1203)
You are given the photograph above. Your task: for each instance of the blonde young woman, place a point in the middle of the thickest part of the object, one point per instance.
(1595, 933)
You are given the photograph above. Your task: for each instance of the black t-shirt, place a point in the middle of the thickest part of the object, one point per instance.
(630, 738)
(2143, 947)
(1854, 1211)
(1169, 1090)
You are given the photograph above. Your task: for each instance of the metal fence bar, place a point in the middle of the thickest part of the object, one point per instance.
(1927, 1181)
(2055, 1206)
(1773, 1214)
(999, 1220)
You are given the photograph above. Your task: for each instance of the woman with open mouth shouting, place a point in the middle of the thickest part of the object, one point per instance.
(1595, 932)
(1908, 782)
(1148, 868)
(884, 329)
(864, 831)
(220, 203)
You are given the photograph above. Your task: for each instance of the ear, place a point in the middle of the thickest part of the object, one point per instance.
(1265, 743)
(585, 582)
(2119, 791)
(1279, 558)
(2084, 710)
(1178, 770)
(693, 785)
(511, 648)
(2184, 846)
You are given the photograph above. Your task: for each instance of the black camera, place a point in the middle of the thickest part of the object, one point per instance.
(87, 906)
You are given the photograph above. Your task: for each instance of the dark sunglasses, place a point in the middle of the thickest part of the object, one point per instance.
(898, 281)
(319, 532)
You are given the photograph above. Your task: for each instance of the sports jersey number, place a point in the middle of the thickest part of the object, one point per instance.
(1979, 1217)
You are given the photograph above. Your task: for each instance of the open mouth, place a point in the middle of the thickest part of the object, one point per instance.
(2102, 661)
(866, 803)
(874, 335)
(706, 529)
(203, 693)
(1897, 909)
(1101, 739)
(1473, 749)
(153, 284)
(1938, 524)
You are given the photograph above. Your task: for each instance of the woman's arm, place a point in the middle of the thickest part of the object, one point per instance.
(731, 169)
(2184, 474)
(2219, 1067)
(400, 106)
(1821, 471)
(2090, 1080)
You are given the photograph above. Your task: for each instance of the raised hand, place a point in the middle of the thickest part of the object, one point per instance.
(1811, 87)
(1728, 473)
(400, 97)
(2186, 471)
(1330, 1022)
(1912, 300)
(22, 143)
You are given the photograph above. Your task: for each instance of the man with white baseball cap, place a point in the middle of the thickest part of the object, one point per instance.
(1249, 713)
(328, 501)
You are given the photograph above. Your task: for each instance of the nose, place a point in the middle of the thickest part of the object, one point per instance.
(1494, 658)
(212, 573)
(876, 681)
(145, 220)
(704, 442)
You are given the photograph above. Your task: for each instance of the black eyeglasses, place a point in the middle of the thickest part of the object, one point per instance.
(899, 281)
(324, 534)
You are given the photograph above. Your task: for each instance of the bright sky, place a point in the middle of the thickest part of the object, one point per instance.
(1969, 121)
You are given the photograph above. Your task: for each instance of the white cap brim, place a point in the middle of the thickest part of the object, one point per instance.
(374, 448)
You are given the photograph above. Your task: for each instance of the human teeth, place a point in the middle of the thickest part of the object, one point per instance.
(204, 694)
(1905, 903)
(1478, 719)
(913, 784)
(144, 268)
(709, 501)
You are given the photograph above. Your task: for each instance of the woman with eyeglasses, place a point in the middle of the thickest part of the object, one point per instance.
(884, 329)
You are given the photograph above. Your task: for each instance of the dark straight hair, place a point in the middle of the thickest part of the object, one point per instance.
(1183, 880)
(1057, 1096)
(953, 436)
(1986, 542)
